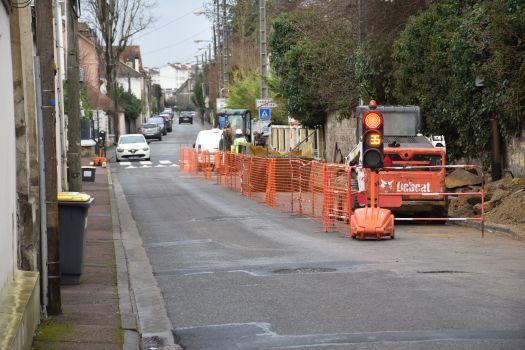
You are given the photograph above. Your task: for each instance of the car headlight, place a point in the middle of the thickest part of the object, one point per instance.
(120, 149)
(145, 148)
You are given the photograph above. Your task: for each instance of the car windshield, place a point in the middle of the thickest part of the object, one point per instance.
(131, 139)
(149, 126)
(156, 120)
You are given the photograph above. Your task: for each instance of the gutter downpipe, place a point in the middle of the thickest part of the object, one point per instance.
(42, 185)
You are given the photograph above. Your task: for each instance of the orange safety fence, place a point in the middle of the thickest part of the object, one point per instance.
(325, 192)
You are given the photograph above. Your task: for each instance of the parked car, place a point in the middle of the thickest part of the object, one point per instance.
(132, 146)
(185, 118)
(167, 121)
(160, 122)
(208, 140)
(151, 131)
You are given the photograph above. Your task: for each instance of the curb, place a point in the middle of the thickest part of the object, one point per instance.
(493, 228)
(144, 317)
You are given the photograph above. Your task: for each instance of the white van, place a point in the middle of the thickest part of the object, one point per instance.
(208, 140)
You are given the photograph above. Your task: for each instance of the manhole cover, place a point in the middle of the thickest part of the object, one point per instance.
(304, 270)
(442, 271)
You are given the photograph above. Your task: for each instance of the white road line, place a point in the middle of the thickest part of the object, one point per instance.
(160, 166)
(132, 167)
(145, 162)
(146, 166)
(174, 165)
(165, 162)
(125, 163)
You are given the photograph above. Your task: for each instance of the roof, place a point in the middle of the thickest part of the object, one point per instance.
(130, 53)
(123, 70)
(98, 100)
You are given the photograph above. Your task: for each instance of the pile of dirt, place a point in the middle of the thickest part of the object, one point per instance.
(511, 210)
(504, 201)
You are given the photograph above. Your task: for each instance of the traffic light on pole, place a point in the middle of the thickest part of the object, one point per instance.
(372, 142)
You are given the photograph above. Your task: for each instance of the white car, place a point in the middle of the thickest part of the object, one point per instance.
(208, 140)
(132, 146)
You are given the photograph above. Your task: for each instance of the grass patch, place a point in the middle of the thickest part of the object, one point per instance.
(51, 331)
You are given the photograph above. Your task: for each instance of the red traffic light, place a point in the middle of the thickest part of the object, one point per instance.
(372, 120)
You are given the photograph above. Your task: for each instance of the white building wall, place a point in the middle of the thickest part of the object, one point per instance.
(8, 234)
(173, 78)
(133, 84)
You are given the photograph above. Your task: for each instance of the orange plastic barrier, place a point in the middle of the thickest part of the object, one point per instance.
(307, 188)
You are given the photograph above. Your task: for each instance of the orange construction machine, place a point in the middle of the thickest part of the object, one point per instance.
(413, 165)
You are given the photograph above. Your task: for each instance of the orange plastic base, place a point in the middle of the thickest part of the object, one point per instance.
(99, 161)
(372, 223)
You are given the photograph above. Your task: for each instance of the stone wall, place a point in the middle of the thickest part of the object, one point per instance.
(515, 155)
(341, 132)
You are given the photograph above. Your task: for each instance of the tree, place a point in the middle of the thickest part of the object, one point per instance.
(130, 104)
(449, 43)
(116, 22)
(244, 90)
(312, 60)
(157, 94)
(197, 98)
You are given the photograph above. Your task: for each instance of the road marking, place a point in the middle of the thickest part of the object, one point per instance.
(160, 166)
(165, 162)
(145, 162)
(174, 165)
(125, 163)
(132, 167)
(146, 166)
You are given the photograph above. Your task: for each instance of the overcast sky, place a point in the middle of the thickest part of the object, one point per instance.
(171, 37)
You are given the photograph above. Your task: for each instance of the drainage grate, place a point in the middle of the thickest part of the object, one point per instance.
(442, 271)
(304, 270)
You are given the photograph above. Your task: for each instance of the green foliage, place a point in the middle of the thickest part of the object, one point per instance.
(131, 105)
(245, 89)
(505, 67)
(84, 103)
(437, 59)
(197, 98)
(315, 72)
(157, 94)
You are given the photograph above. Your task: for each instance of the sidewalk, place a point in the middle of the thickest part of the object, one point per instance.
(90, 316)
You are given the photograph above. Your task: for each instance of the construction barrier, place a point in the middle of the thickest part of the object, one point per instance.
(325, 192)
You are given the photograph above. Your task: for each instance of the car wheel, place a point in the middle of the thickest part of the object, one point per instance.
(191, 122)
(160, 138)
(118, 160)
(149, 158)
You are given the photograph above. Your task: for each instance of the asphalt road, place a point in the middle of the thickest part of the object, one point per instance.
(235, 274)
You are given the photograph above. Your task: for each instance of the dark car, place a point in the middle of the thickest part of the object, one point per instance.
(151, 131)
(168, 120)
(160, 122)
(185, 118)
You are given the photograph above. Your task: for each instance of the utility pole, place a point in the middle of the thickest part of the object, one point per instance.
(73, 79)
(225, 72)
(45, 50)
(264, 49)
(219, 54)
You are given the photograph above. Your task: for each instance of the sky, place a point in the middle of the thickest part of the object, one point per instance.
(172, 34)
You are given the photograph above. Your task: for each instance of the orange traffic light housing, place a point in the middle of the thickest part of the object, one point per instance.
(372, 142)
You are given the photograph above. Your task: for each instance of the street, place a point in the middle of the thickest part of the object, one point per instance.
(236, 274)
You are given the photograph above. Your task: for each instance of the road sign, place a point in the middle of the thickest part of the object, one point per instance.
(265, 114)
(221, 104)
(266, 103)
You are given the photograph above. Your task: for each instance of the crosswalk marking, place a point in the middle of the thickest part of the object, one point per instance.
(149, 164)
